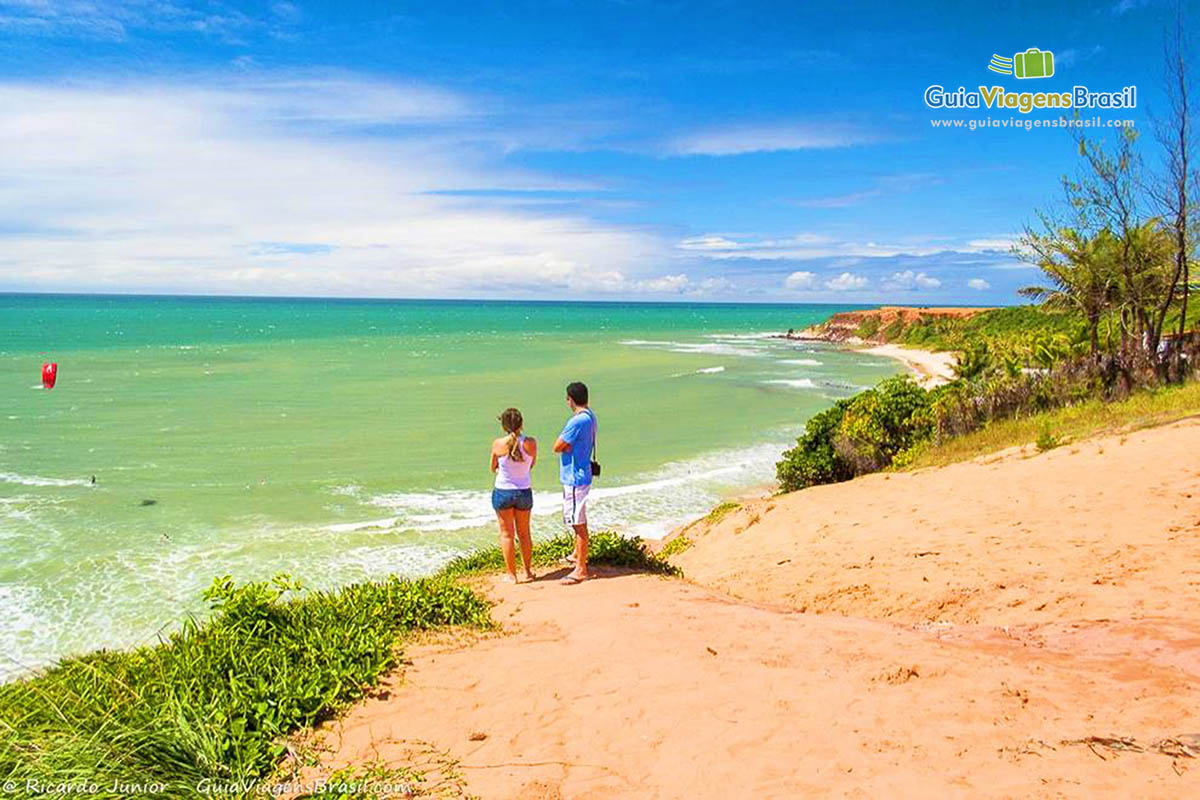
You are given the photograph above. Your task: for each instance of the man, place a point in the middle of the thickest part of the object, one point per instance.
(575, 446)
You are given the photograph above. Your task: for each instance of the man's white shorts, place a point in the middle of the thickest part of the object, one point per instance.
(575, 505)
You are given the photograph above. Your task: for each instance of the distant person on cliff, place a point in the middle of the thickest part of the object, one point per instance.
(575, 446)
(513, 457)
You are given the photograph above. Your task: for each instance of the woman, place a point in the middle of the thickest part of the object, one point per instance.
(513, 456)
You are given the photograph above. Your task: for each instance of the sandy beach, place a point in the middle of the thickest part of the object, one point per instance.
(1008, 627)
(931, 369)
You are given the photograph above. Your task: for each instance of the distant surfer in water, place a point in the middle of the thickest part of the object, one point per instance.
(513, 457)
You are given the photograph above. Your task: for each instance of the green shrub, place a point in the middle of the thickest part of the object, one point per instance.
(881, 422)
(813, 461)
(858, 435)
(1047, 440)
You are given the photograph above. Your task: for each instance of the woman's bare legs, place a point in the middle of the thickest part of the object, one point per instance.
(507, 520)
(522, 520)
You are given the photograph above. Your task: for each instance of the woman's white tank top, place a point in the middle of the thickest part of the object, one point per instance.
(514, 474)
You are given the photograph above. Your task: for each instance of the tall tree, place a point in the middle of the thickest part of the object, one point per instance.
(1176, 189)
(1081, 271)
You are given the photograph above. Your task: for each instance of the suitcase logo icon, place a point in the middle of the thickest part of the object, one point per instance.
(1033, 63)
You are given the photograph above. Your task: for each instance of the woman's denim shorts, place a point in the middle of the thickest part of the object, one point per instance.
(520, 499)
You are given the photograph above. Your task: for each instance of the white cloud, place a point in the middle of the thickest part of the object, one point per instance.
(979, 284)
(801, 280)
(715, 285)
(665, 284)
(113, 19)
(846, 282)
(801, 246)
(1004, 242)
(770, 139)
(708, 242)
(268, 186)
(909, 280)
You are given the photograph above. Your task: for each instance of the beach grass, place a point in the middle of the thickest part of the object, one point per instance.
(1143, 409)
(207, 712)
(604, 547)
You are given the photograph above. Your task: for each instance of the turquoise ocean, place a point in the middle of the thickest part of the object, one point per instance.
(339, 440)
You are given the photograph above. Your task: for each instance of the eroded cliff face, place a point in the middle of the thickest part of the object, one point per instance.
(878, 325)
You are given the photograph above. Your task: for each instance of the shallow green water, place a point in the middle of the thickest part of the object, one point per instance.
(339, 439)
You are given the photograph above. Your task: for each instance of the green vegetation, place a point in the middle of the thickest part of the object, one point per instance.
(675, 546)
(998, 327)
(210, 707)
(1047, 440)
(858, 435)
(1114, 321)
(1142, 409)
(604, 547)
(720, 511)
(214, 701)
(867, 328)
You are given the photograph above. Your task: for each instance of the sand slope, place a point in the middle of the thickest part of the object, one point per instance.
(996, 611)
(1106, 529)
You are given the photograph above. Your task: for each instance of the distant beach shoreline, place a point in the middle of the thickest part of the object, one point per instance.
(931, 369)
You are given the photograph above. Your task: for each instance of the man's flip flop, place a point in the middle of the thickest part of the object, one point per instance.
(571, 580)
(567, 561)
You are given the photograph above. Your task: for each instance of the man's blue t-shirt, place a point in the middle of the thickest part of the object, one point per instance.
(576, 464)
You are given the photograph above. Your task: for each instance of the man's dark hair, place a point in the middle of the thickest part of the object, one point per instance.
(578, 393)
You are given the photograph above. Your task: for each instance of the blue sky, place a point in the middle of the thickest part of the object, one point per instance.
(591, 150)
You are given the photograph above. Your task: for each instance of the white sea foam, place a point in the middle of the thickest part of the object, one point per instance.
(415, 537)
(710, 370)
(23, 632)
(705, 348)
(348, 527)
(672, 492)
(803, 362)
(742, 336)
(795, 383)
(35, 480)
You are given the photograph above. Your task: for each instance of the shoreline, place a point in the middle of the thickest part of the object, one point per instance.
(930, 368)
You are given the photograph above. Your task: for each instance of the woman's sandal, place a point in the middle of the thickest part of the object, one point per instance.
(571, 580)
